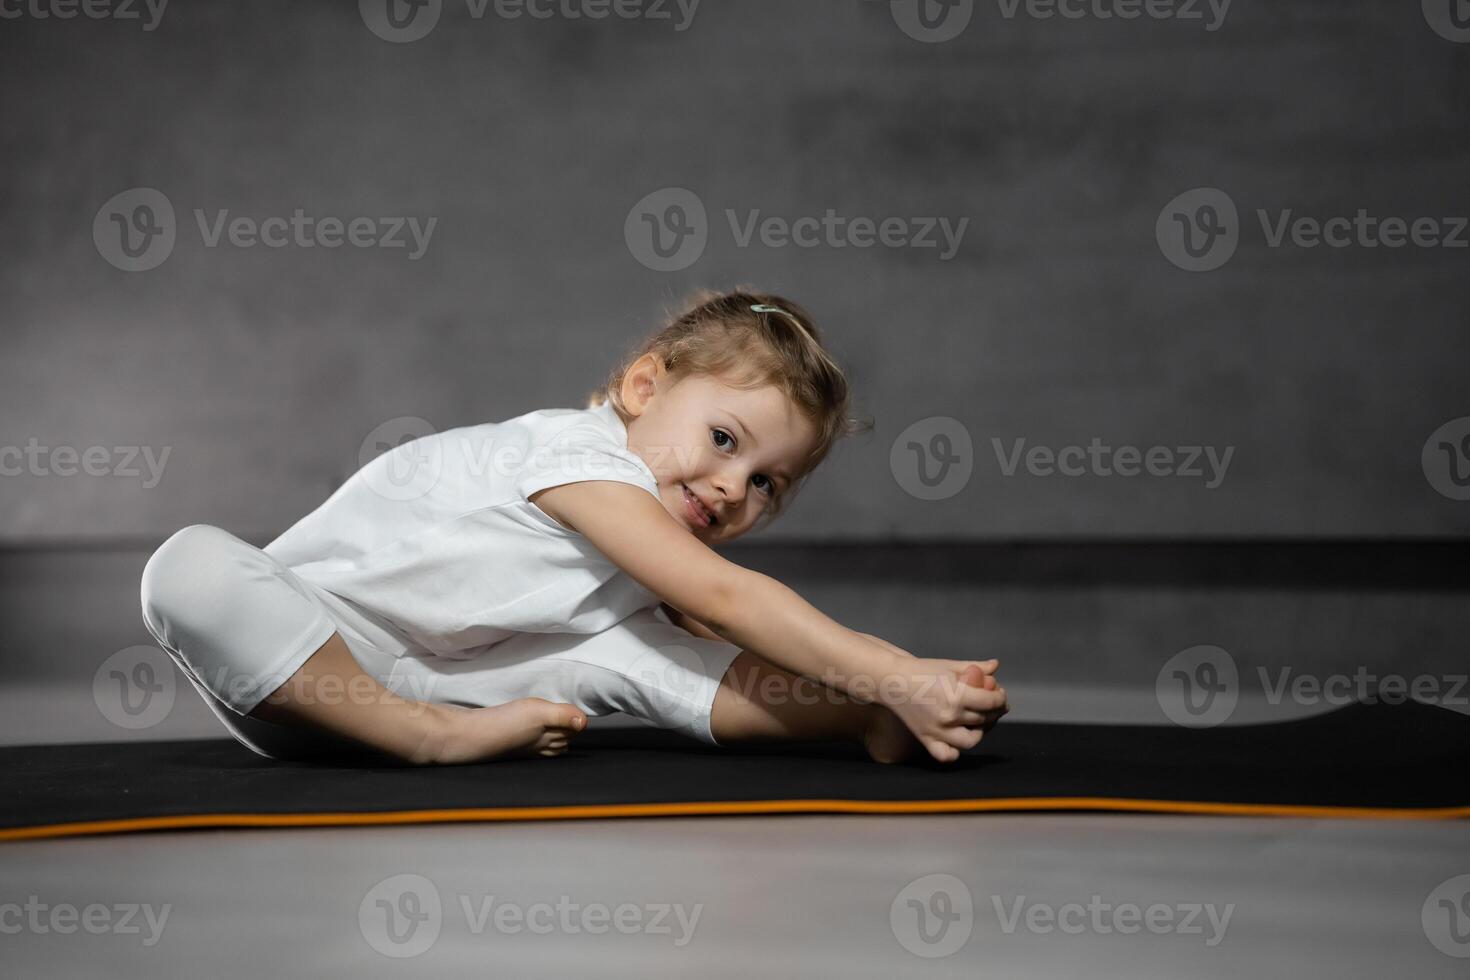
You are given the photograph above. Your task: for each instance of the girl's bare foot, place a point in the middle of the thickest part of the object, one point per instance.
(887, 739)
(530, 727)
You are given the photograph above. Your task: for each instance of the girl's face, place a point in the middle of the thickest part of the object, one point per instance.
(734, 451)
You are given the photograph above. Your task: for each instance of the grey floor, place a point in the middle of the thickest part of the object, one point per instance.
(802, 896)
(1015, 896)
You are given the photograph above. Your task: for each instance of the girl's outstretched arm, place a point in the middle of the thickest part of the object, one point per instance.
(739, 605)
(943, 702)
(692, 625)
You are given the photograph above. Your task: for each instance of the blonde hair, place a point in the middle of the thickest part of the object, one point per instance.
(721, 335)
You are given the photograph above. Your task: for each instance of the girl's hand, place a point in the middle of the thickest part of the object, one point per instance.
(947, 704)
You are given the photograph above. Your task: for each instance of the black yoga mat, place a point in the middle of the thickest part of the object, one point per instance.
(1378, 760)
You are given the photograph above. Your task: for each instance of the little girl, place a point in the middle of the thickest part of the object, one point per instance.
(476, 593)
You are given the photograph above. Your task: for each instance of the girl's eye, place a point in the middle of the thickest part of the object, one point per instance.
(770, 489)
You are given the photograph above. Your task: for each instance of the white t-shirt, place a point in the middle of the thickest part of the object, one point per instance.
(438, 535)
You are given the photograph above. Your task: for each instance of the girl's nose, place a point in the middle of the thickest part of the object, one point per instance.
(731, 490)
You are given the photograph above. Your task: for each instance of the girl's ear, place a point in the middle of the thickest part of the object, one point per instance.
(641, 382)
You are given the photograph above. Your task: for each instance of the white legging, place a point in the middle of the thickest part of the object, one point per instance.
(239, 623)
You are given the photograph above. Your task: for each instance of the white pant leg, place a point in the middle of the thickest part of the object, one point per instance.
(239, 623)
(644, 666)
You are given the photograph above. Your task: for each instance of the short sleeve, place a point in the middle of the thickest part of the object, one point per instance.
(579, 453)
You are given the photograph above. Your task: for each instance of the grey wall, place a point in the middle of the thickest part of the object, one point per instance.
(1059, 320)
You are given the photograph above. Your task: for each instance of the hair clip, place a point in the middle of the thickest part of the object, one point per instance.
(767, 308)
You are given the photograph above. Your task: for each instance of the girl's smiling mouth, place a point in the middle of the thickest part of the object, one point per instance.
(698, 513)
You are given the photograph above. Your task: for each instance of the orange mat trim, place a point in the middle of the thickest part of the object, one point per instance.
(734, 808)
